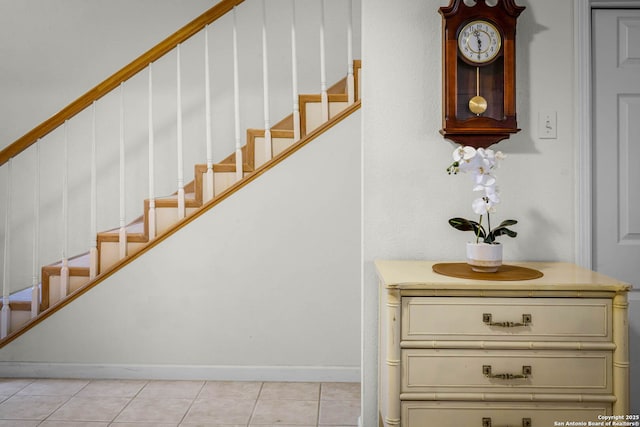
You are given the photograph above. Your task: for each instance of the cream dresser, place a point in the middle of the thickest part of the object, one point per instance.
(482, 353)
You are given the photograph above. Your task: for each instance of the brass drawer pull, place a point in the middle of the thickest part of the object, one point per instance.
(487, 318)
(486, 422)
(526, 371)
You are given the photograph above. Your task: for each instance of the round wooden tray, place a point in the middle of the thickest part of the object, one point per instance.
(505, 272)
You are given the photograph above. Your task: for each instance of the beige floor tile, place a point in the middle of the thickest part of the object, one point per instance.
(211, 425)
(230, 390)
(9, 386)
(104, 408)
(339, 412)
(340, 391)
(30, 407)
(53, 387)
(166, 410)
(73, 424)
(174, 389)
(290, 390)
(113, 388)
(15, 423)
(220, 411)
(141, 424)
(285, 411)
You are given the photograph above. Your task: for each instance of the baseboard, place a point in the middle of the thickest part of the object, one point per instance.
(180, 372)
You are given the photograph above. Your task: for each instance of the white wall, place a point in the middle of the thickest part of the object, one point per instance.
(263, 286)
(408, 195)
(54, 51)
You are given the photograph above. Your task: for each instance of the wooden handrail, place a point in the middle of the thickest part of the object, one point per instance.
(112, 82)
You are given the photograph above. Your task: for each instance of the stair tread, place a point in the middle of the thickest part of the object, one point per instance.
(78, 261)
(136, 226)
(21, 296)
(187, 196)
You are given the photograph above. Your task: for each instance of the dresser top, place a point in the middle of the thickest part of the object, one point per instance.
(558, 276)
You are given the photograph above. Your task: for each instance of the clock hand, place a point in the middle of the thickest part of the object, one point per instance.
(478, 40)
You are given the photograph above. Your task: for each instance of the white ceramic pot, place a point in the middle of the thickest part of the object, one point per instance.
(483, 257)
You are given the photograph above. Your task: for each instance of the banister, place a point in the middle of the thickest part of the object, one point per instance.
(114, 80)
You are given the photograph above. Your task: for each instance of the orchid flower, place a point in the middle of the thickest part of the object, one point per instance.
(480, 164)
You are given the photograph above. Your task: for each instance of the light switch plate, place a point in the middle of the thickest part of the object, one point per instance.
(547, 124)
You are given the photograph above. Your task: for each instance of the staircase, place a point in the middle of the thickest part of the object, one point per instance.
(65, 280)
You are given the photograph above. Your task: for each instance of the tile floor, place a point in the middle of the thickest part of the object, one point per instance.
(125, 403)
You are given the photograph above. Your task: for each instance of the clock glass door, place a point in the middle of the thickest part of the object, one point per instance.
(486, 81)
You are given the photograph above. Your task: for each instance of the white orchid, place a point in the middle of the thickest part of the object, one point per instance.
(463, 153)
(480, 164)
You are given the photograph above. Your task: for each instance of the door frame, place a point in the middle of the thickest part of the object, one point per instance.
(583, 115)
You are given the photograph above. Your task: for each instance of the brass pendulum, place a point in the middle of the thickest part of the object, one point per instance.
(478, 104)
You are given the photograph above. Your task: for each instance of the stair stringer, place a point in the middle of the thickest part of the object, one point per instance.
(270, 278)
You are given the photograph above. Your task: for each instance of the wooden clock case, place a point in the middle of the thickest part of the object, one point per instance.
(494, 80)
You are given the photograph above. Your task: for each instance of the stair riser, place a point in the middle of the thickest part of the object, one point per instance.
(278, 145)
(313, 113)
(110, 253)
(222, 181)
(75, 283)
(19, 318)
(168, 217)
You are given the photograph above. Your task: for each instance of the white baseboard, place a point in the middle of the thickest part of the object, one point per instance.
(180, 372)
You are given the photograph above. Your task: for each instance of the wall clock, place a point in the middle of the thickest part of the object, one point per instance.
(479, 71)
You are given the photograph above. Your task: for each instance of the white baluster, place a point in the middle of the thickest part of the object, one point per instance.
(208, 182)
(122, 235)
(324, 97)
(181, 203)
(236, 99)
(351, 94)
(93, 227)
(35, 279)
(152, 196)
(265, 85)
(294, 75)
(64, 270)
(5, 316)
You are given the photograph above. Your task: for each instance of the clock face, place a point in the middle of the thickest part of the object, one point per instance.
(479, 41)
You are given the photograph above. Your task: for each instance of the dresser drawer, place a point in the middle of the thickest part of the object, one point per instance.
(483, 414)
(522, 319)
(518, 371)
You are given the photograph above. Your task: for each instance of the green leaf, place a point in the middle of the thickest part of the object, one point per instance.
(500, 231)
(463, 224)
(507, 222)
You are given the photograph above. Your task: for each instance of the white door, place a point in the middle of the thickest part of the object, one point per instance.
(616, 143)
(616, 162)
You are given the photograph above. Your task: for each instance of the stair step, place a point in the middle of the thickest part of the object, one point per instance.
(78, 277)
(284, 124)
(21, 296)
(79, 261)
(20, 310)
(171, 201)
(311, 110)
(281, 139)
(135, 233)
